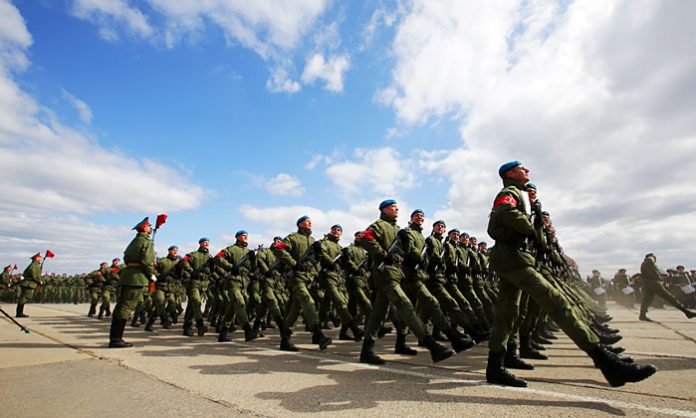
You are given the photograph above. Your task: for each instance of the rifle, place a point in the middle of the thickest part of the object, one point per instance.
(307, 256)
(394, 248)
(22, 327)
(423, 253)
(237, 266)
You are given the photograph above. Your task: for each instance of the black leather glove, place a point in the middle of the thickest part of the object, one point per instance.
(316, 246)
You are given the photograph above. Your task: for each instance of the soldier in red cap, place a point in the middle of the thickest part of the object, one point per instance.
(140, 266)
(32, 278)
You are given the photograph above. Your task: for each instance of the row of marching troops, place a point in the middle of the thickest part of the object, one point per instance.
(679, 282)
(441, 288)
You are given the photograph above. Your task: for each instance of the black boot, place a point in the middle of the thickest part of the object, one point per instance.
(476, 333)
(318, 337)
(108, 311)
(116, 334)
(286, 345)
(437, 351)
(165, 321)
(535, 345)
(527, 351)
(401, 348)
(257, 328)
(135, 322)
(384, 331)
(689, 314)
(616, 371)
(539, 339)
(201, 328)
(20, 312)
(223, 337)
(459, 342)
(150, 323)
(497, 374)
(438, 335)
(92, 311)
(609, 339)
(101, 313)
(358, 334)
(249, 333)
(513, 361)
(343, 335)
(367, 354)
(188, 331)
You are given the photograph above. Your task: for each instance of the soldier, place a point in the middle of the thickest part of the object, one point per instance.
(94, 282)
(196, 275)
(238, 261)
(355, 266)
(652, 285)
(139, 257)
(105, 290)
(510, 226)
(32, 278)
(382, 244)
(267, 264)
(296, 252)
(328, 252)
(165, 271)
(624, 292)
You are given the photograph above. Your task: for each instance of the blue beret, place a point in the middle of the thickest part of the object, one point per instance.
(473, 239)
(417, 211)
(203, 239)
(301, 219)
(386, 203)
(545, 213)
(531, 186)
(464, 234)
(173, 247)
(439, 221)
(337, 226)
(277, 237)
(240, 232)
(142, 224)
(453, 230)
(505, 167)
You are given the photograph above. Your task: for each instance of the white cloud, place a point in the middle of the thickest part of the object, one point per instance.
(14, 37)
(331, 71)
(380, 172)
(109, 14)
(281, 82)
(83, 109)
(55, 178)
(595, 99)
(285, 185)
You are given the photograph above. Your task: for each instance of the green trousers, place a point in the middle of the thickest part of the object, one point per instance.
(333, 294)
(427, 304)
(26, 293)
(129, 297)
(388, 293)
(460, 315)
(650, 289)
(235, 307)
(193, 307)
(301, 302)
(512, 284)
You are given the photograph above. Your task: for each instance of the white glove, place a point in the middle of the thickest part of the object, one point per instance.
(153, 278)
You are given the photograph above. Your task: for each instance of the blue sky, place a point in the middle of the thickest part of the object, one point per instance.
(247, 115)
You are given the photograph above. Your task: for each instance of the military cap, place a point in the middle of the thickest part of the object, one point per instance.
(453, 230)
(439, 221)
(337, 226)
(545, 213)
(505, 167)
(240, 232)
(142, 224)
(301, 219)
(116, 259)
(649, 255)
(680, 267)
(622, 269)
(464, 234)
(386, 203)
(417, 211)
(9, 266)
(530, 186)
(35, 255)
(200, 241)
(103, 263)
(473, 239)
(173, 247)
(277, 237)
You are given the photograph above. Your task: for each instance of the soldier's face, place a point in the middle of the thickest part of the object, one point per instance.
(519, 174)
(418, 218)
(439, 229)
(277, 241)
(392, 211)
(454, 236)
(464, 240)
(532, 195)
(306, 224)
(173, 252)
(147, 229)
(117, 262)
(336, 232)
(244, 238)
(205, 244)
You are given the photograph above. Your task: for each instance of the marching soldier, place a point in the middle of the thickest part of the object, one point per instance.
(196, 275)
(32, 279)
(652, 285)
(140, 267)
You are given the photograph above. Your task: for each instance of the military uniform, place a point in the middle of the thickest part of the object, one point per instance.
(139, 258)
(196, 275)
(652, 285)
(32, 279)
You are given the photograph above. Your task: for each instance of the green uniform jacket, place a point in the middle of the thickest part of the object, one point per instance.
(32, 275)
(6, 281)
(385, 231)
(451, 261)
(330, 249)
(196, 260)
(413, 243)
(140, 261)
(509, 225)
(231, 256)
(268, 269)
(164, 266)
(649, 271)
(298, 243)
(436, 257)
(353, 256)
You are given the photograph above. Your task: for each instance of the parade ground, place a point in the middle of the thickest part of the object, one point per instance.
(63, 369)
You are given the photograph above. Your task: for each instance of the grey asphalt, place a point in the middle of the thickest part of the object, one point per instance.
(64, 369)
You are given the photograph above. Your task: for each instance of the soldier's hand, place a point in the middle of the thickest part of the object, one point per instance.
(252, 257)
(316, 246)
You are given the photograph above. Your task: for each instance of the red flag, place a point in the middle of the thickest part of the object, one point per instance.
(187, 258)
(49, 254)
(161, 219)
(15, 267)
(220, 254)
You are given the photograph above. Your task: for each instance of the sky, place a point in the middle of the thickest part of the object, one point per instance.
(230, 115)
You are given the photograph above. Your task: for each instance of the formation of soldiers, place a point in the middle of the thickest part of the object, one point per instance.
(443, 288)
